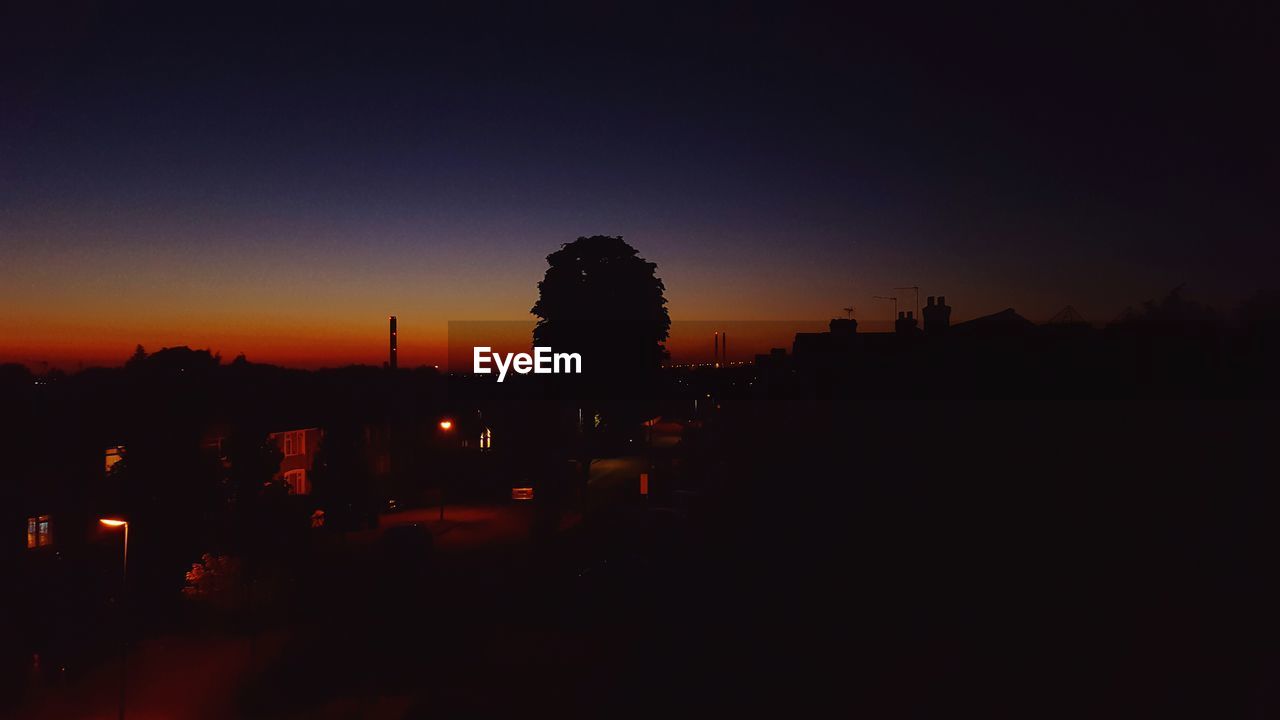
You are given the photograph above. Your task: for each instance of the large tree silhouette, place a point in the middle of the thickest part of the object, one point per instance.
(601, 299)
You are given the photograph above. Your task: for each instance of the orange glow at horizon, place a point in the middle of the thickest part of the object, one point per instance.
(327, 306)
(66, 345)
(310, 345)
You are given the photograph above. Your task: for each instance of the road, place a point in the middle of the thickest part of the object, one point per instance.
(481, 552)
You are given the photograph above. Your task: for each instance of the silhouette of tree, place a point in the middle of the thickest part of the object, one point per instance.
(254, 461)
(169, 361)
(600, 299)
(341, 479)
(1173, 337)
(139, 356)
(1174, 315)
(168, 483)
(258, 496)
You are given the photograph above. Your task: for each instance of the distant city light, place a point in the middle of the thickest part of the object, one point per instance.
(446, 425)
(111, 522)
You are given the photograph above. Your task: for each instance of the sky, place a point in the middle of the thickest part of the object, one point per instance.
(277, 183)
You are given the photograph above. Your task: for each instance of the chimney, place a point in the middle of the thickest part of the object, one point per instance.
(843, 327)
(929, 302)
(906, 324)
(937, 316)
(715, 361)
(724, 348)
(392, 361)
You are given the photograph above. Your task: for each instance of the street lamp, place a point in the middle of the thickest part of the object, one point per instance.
(446, 425)
(124, 578)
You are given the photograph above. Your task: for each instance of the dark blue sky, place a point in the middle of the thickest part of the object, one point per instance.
(305, 169)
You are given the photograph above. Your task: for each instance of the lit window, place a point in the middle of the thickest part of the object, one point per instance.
(113, 456)
(294, 442)
(297, 480)
(39, 532)
(486, 439)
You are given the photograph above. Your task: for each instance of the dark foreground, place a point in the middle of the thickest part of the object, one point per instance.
(1032, 535)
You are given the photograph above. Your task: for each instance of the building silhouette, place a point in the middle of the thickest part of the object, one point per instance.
(906, 323)
(937, 315)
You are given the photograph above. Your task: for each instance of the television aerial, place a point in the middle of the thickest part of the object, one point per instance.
(884, 297)
(917, 289)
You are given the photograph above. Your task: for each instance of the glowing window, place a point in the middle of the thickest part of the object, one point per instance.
(297, 480)
(39, 532)
(113, 456)
(486, 439)
(295, 443)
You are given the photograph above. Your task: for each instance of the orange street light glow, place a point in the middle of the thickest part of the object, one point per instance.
(109, 522)
(446, 424)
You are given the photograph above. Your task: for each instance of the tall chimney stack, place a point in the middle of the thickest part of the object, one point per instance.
(937, 315)
(392, 361)
(715, 359)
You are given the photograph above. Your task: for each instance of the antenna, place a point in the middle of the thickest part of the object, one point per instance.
(917, 289)
(895, 303)
(848, 312)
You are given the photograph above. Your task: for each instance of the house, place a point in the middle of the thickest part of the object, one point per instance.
(1005, 324)
(839, 342)
(299, 449)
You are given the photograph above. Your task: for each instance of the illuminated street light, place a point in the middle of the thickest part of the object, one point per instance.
(114, 523)
(124, 580)
(446, 425)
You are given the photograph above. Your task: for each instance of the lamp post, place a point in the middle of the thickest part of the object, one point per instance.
(446, 426)
(124, 578)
